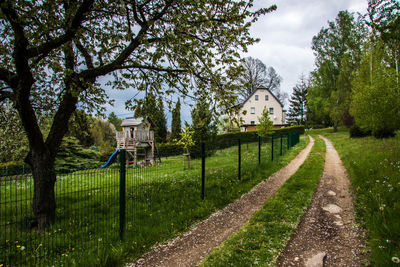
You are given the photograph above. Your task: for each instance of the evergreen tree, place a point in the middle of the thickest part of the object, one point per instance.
(115, 121)
(160, 122)
(298, 103)
(202, 122)
(153, 109)
(176, 121)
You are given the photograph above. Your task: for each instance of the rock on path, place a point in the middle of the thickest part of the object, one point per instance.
(190, 248)
(327, 234)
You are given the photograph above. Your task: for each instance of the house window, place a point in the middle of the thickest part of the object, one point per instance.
(266, 97)
(256, 97)
(252, 110)
(252, 123)
(271, 110)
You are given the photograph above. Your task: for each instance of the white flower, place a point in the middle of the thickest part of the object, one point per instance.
(395, 259)
(22, 248)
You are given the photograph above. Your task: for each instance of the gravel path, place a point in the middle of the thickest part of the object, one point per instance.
(327, 234)
(190, 248)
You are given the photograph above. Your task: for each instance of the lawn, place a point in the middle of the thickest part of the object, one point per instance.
(374, 169)
(162, 202)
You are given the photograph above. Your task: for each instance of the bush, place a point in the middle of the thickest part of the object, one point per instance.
(383, 133)
(14, 168)
(356, 131)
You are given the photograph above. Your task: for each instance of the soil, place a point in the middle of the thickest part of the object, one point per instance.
(190, 248)
(328, 228)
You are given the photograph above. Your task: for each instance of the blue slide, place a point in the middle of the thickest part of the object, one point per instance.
(111, 159)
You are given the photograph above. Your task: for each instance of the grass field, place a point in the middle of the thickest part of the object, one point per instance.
(374, 169)
(162, 201)
(264, 237)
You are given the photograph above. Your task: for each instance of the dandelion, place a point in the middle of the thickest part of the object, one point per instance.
(18, 246)
(22, 248)
(394, 259)
(100, 239)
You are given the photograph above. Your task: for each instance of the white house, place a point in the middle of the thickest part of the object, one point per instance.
(253, 106)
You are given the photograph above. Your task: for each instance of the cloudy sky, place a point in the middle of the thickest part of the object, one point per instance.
(285, 43)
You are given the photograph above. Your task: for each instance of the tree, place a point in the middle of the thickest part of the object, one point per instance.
(338, 51)
(13, 143)
(186, 141)
(80, 126)
(154, 109)
(160, 122)
(298, 102)
(176, 125)
(112, 118)
(202, 121)
(265, 124)
(256, 75)
(53, 53)
(376, 94)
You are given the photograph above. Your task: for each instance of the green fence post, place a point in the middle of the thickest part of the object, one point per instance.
(239, 159)
(272, 147)
(122, 191)
(281, 146)
(203, 169)
(259, 150)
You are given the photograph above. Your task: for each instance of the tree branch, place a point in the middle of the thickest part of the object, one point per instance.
(6, 95)
(135, 43)
(85, 53)
(144, 67)
(6, 76)
(44, 49)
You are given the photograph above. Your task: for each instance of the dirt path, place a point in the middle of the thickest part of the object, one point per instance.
(190, 248)
(327, 234)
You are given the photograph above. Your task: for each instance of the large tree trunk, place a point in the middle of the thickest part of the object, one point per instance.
(44, 201)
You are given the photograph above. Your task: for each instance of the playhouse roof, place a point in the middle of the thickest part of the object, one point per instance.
(135, 121)
(132, 122)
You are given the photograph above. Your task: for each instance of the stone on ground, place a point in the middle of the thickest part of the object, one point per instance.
(332, 208)
(317, 260)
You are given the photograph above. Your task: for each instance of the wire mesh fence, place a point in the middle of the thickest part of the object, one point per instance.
(136, 206)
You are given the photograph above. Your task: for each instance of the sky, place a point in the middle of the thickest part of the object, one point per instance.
(285, 42)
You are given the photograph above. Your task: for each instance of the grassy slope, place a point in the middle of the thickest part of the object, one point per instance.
(374, 169)
(163, 201)
(261, 240)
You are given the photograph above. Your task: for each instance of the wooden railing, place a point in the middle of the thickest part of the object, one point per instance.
(126, 140)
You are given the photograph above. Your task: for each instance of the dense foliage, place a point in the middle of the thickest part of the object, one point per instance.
(298, 103)
(356, 79)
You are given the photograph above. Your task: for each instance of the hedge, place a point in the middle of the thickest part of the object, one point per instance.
(222, 141)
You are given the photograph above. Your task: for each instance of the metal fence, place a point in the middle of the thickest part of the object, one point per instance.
(102, 213)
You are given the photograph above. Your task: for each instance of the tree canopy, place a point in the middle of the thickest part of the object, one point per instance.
(53, 52)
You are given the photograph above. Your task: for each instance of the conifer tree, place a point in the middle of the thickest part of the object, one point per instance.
(202, 121)
(176, 121)
(298, 103)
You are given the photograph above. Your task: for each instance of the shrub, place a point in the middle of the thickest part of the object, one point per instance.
(383, 133)
(356, 131)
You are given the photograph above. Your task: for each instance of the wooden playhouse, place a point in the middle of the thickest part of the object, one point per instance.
(137, 139)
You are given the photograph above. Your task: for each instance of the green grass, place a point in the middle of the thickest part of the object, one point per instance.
(265, 236)
(162, 202)
(374, 169)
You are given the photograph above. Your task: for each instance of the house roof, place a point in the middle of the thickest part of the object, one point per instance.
(261, 88)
